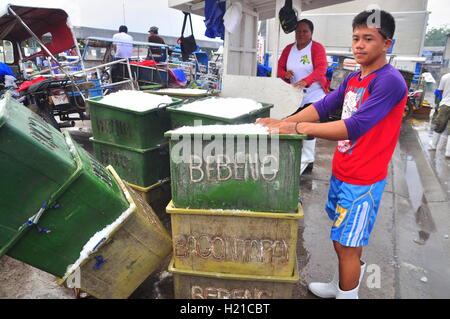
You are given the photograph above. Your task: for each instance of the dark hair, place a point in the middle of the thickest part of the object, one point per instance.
(308, 22)
(123, 28)
(387, 22)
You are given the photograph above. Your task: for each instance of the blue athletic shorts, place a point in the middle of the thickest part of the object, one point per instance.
(353, 210)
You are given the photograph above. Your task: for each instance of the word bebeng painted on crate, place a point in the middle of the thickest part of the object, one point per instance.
(212, 285)
(243, 167)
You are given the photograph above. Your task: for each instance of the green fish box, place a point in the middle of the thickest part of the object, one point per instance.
(236, 171)
(129, 128)
(54, 195)
(140, 167)
(180, 118)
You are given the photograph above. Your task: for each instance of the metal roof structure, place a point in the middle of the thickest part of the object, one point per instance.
(266, 9)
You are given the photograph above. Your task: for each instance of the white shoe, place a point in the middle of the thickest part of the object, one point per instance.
(325, 290)
(447, 148)
(331, 289)
(434, 141)
(349, 294)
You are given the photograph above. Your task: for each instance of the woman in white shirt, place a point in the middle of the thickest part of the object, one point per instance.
(304, 65)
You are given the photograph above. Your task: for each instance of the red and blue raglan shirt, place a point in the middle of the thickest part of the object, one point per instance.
(372, 110)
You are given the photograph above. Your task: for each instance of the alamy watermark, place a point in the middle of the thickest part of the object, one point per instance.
(373, 280)
(374, 20)
(74, 279)
(228, 155)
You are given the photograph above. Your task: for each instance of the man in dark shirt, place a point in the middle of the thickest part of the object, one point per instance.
(155, 38)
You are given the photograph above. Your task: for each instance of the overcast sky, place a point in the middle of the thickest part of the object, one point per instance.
(440, 13)
(139, 15)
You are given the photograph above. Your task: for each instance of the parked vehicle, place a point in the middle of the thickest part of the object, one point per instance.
(414, 102)
(97, 57)
(30, 47)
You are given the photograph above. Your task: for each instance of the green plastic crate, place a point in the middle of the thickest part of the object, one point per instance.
(180, 118)
(127, 127)
(81, 196)
(141, 167)
(267, 182)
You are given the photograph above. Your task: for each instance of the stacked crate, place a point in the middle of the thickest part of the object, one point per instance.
(234, 213)
(64, 213)
(180, 117)
(133, 143)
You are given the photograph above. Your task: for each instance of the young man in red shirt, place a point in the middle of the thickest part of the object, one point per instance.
(373, 101)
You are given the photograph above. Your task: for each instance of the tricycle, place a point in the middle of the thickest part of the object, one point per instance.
(31, 39)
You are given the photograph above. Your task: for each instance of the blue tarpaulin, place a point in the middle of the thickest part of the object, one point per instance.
(5, 70)
(214, 12)
(263, 70)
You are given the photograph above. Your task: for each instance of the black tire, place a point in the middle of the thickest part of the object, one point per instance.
(50, 119)
(408, 112)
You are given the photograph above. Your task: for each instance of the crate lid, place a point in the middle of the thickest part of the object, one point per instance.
(171, 209)
(97, 101)
(294, 279)
(181, 92)
(239, 130)
(128, 148)
(177, 109)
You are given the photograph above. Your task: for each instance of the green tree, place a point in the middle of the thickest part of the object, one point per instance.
(437, 37)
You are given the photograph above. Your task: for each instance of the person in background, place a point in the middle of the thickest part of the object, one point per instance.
(442, 119)
(157, 53)
(122, 51)
(304, 65)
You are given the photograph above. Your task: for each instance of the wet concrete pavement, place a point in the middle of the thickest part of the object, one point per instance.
(409, 244)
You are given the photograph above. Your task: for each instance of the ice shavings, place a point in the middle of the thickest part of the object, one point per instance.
(135, 100)
(228, 108)
(94, 243)
(70, 144)
(252, 129)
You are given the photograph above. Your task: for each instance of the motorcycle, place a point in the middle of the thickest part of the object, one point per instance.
(413, 102)
(60, 92)
(55, 97)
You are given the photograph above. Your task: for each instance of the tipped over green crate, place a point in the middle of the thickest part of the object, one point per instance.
(134, 249)
(44, 173)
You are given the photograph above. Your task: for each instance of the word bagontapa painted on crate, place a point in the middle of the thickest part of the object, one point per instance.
(232, 249)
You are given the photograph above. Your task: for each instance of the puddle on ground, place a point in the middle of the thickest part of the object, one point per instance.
(419, 204)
